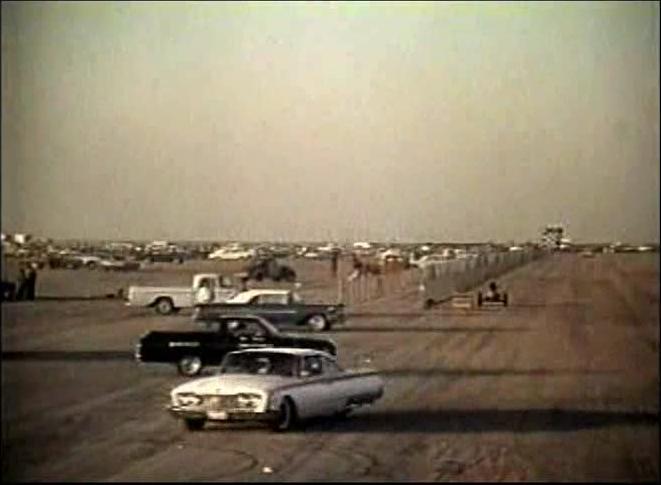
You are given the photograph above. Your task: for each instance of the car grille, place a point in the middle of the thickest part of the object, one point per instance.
(220, 403)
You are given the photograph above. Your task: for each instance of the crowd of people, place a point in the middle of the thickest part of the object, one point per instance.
(25, 286)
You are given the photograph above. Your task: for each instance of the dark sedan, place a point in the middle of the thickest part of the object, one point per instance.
(192, 351)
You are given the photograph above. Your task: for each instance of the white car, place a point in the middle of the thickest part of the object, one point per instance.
(231, 254)
(279, 386)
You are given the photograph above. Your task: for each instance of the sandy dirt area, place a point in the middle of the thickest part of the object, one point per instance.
(562, 385)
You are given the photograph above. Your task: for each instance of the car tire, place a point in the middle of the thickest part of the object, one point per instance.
(164, 306)
(287, 417)
(189, 365)
(479, 298)
(345, 413)
(91, 265)
(505, 300)
(318, 323)
(194, 424)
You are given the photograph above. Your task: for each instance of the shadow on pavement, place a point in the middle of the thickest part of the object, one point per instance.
(457, 372)
(480, 421)
(68, 355)
(416, 328)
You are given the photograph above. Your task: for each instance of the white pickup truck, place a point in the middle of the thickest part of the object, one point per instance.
(206, 288)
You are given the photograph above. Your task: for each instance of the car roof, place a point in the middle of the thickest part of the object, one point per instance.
(255, 292)
(283, 350)
(239, 316)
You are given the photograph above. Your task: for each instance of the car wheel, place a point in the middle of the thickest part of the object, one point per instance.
(479, 298)
(287, 417)
(194, 424)
(189, 366)
(91, 265)
(164, 306)
(345, 413)
(318, 323)
(505, 300)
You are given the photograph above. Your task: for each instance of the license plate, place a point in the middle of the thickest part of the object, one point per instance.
(217, 414)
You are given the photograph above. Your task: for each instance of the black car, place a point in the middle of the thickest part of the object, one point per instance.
(192, 351)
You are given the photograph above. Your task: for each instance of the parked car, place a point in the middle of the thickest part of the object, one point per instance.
(73, 261)
(280, 307)
(231, 254)
(192, 351)
(170, 299)
(8, 291)
(280, 387)
(116, 264)
(164, 257)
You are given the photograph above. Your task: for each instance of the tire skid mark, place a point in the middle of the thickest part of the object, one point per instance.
(480, 462)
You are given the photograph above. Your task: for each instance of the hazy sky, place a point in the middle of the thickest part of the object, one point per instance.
(295, 121)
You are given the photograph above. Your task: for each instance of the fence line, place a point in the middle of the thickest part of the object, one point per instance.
(440, 280)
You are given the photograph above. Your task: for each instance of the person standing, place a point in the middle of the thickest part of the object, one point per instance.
(334, 260)
(21, 283)
(31, 281)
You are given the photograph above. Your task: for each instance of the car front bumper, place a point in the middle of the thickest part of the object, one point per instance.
(223, 416)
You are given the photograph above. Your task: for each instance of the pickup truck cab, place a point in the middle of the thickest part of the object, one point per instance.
(280, 307)
(206, 288)
(192, 351)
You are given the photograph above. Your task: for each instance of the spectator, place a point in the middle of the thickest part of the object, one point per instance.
(334, 260)
(21, 283)
(31, 276)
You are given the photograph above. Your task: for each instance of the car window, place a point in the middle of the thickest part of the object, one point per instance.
(331, 367)
(207, 283)
(312, 366)
(245, 328)
(258, 363)
(276, 299)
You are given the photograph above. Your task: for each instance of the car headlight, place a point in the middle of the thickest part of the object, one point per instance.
(187, 399)
(248, 400)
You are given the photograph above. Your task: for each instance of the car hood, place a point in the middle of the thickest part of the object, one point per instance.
(301, 338)
(233, 384)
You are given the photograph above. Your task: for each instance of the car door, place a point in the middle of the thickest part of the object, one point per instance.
(220, 342)
(275, 308)
(223, 290)
(314, 395)
(340, 387)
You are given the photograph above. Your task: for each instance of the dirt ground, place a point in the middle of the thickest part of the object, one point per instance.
(562, 385)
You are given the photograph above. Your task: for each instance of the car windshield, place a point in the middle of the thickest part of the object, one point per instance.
(259, 363)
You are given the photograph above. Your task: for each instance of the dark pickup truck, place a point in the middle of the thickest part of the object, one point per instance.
(280, 307)
(192, 351)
